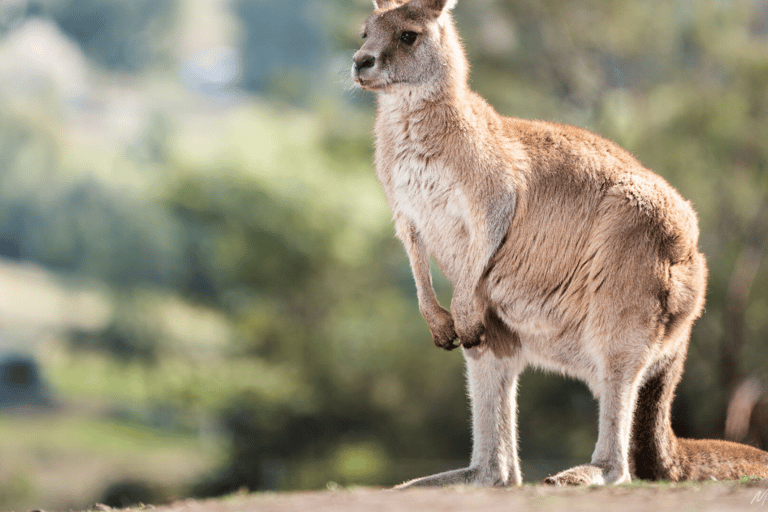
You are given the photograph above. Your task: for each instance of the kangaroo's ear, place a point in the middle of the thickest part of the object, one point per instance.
(384, 4)
(439, 5)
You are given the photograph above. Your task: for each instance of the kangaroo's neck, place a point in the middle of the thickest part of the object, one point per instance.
(409, 125)
(456, 124)
(413, 105)
(442, 103)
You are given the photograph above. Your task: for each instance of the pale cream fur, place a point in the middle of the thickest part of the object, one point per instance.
(565, 253)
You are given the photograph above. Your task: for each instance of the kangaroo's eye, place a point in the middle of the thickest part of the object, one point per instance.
(408, 37)
(364, 35)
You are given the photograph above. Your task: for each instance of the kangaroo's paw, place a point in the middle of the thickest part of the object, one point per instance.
(441, 326)
(466, 476)
(471, 336)
(589, 474)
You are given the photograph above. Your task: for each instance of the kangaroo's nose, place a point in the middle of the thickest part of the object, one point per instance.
(364, 61)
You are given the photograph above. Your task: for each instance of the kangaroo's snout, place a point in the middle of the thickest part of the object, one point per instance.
(363, 61)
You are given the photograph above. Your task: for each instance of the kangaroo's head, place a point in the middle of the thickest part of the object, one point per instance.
(409, 43)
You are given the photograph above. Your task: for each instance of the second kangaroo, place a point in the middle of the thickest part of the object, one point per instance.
(564, 253)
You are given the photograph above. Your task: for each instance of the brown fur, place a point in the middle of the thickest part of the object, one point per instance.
(564, 252)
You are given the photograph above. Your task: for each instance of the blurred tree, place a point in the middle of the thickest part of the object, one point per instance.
(116, 34)
(240, 237)
(284, 45)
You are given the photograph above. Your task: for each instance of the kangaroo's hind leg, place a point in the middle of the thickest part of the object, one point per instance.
(620, 379)
(492, 375)
(622, 336)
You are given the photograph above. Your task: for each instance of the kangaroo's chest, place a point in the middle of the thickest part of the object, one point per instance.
(426, 191)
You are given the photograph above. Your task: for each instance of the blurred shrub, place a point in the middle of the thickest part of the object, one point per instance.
(129, 493)
(21, 383)
(120, 341)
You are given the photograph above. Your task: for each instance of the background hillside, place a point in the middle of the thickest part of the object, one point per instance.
(201, 290)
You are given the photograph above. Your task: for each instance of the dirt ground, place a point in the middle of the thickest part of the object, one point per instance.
(640, 497)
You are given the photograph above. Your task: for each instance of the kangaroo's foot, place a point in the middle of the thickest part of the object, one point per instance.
(590, 474)
(466, 476)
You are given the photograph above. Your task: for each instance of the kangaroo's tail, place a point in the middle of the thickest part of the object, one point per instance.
(657, 454)
(704, 459)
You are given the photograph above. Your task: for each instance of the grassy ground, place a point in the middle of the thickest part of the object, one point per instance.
(640, 497)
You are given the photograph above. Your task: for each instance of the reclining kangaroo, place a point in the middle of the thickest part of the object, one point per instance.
(564, 253)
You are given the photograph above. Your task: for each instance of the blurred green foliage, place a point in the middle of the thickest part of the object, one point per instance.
(117, 35)
(266, 211)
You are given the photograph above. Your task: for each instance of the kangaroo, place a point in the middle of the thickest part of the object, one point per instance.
(564, 253)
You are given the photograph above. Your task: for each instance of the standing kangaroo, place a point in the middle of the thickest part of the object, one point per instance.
(564, 253)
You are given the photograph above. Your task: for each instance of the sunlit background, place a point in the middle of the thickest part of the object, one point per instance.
(200, 287)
